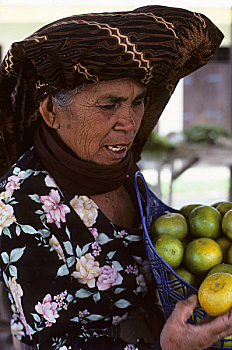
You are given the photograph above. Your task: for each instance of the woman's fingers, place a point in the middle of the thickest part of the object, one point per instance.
(178, 334)
(220, 326)
(184, 309)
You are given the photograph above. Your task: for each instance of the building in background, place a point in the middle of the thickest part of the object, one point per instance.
(211, 88)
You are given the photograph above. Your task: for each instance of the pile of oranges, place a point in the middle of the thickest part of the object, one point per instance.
(197, 243)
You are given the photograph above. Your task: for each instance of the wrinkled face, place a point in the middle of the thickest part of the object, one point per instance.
(101, 123)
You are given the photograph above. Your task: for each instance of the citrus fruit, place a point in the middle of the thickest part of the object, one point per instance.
(186, 275)
(229, 255)
(215, 293)
(220, 268)
(225, 244)
(173, 224)
(205, 221)
(227, 342)
(223, 207)
(186, 241)
(202, 254)
(216, 204)
(186, 209)
(227, 224)
(170, 249)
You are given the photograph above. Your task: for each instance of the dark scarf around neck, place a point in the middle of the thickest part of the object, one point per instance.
(73, 174)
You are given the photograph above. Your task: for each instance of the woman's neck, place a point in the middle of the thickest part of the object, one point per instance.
(118, 207)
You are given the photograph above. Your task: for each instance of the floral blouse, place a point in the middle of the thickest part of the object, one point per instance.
(70, 273)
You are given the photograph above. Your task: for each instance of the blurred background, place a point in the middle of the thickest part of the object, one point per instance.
(188, 156)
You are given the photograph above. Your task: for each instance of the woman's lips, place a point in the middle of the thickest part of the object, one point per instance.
(117, 151)
(117, 148)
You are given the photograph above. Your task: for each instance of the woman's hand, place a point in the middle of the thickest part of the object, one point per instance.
(177, 334)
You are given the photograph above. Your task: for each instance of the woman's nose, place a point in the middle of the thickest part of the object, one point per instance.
(125, 121)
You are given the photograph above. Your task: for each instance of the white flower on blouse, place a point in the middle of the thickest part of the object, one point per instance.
(142, 285)
(86, 209)
(118, 319)
(5, 194)
(54, 243)
(17, 330)
(50, 182)
(87, 269)
(6, 215)
(16, 292)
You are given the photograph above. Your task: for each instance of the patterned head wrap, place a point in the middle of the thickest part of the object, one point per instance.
(155, 45)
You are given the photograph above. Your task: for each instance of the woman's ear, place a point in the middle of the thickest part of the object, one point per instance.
(48, 113)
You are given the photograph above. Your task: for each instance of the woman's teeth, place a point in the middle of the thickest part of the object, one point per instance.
(117, 148)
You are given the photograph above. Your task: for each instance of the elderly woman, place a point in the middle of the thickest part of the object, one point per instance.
(92, 87)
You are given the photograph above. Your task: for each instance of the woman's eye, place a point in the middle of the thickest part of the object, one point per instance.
(107, 107)
(138, 102)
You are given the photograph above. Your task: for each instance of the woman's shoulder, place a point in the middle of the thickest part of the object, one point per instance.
(28, 161)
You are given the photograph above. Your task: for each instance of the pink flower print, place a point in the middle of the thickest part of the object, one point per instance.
(48, 309)
(96, 248)
(81, 316)
(94, 232)
(136, 271)
(55, 212)
(13, 182)
(108, 277)
(129, 269)
(122, 233)
(132, 269)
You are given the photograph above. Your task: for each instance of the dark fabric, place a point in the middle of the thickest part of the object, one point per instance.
(73, 174)
(105, 343)
(156, 45)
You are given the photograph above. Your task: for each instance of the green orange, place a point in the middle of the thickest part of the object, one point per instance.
(205, 221)
(225, 244)
(220, 268)
(227, 342)
(173, 224)
(227, 224)
(229, 255)
(202, 254)
(186, 209)
(170, 249)
(185, 275)
(223, 207)
(216, 204)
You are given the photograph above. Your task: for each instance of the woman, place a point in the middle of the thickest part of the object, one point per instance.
(72, 255)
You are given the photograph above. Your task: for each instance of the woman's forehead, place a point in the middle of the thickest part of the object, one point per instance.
(116, 88)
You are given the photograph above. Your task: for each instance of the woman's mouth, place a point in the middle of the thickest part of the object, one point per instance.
(117, 148)
(117, 151)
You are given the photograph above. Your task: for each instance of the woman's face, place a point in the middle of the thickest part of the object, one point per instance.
(102, 121)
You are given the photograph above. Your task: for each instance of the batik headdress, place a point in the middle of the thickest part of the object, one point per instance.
(155, 45)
